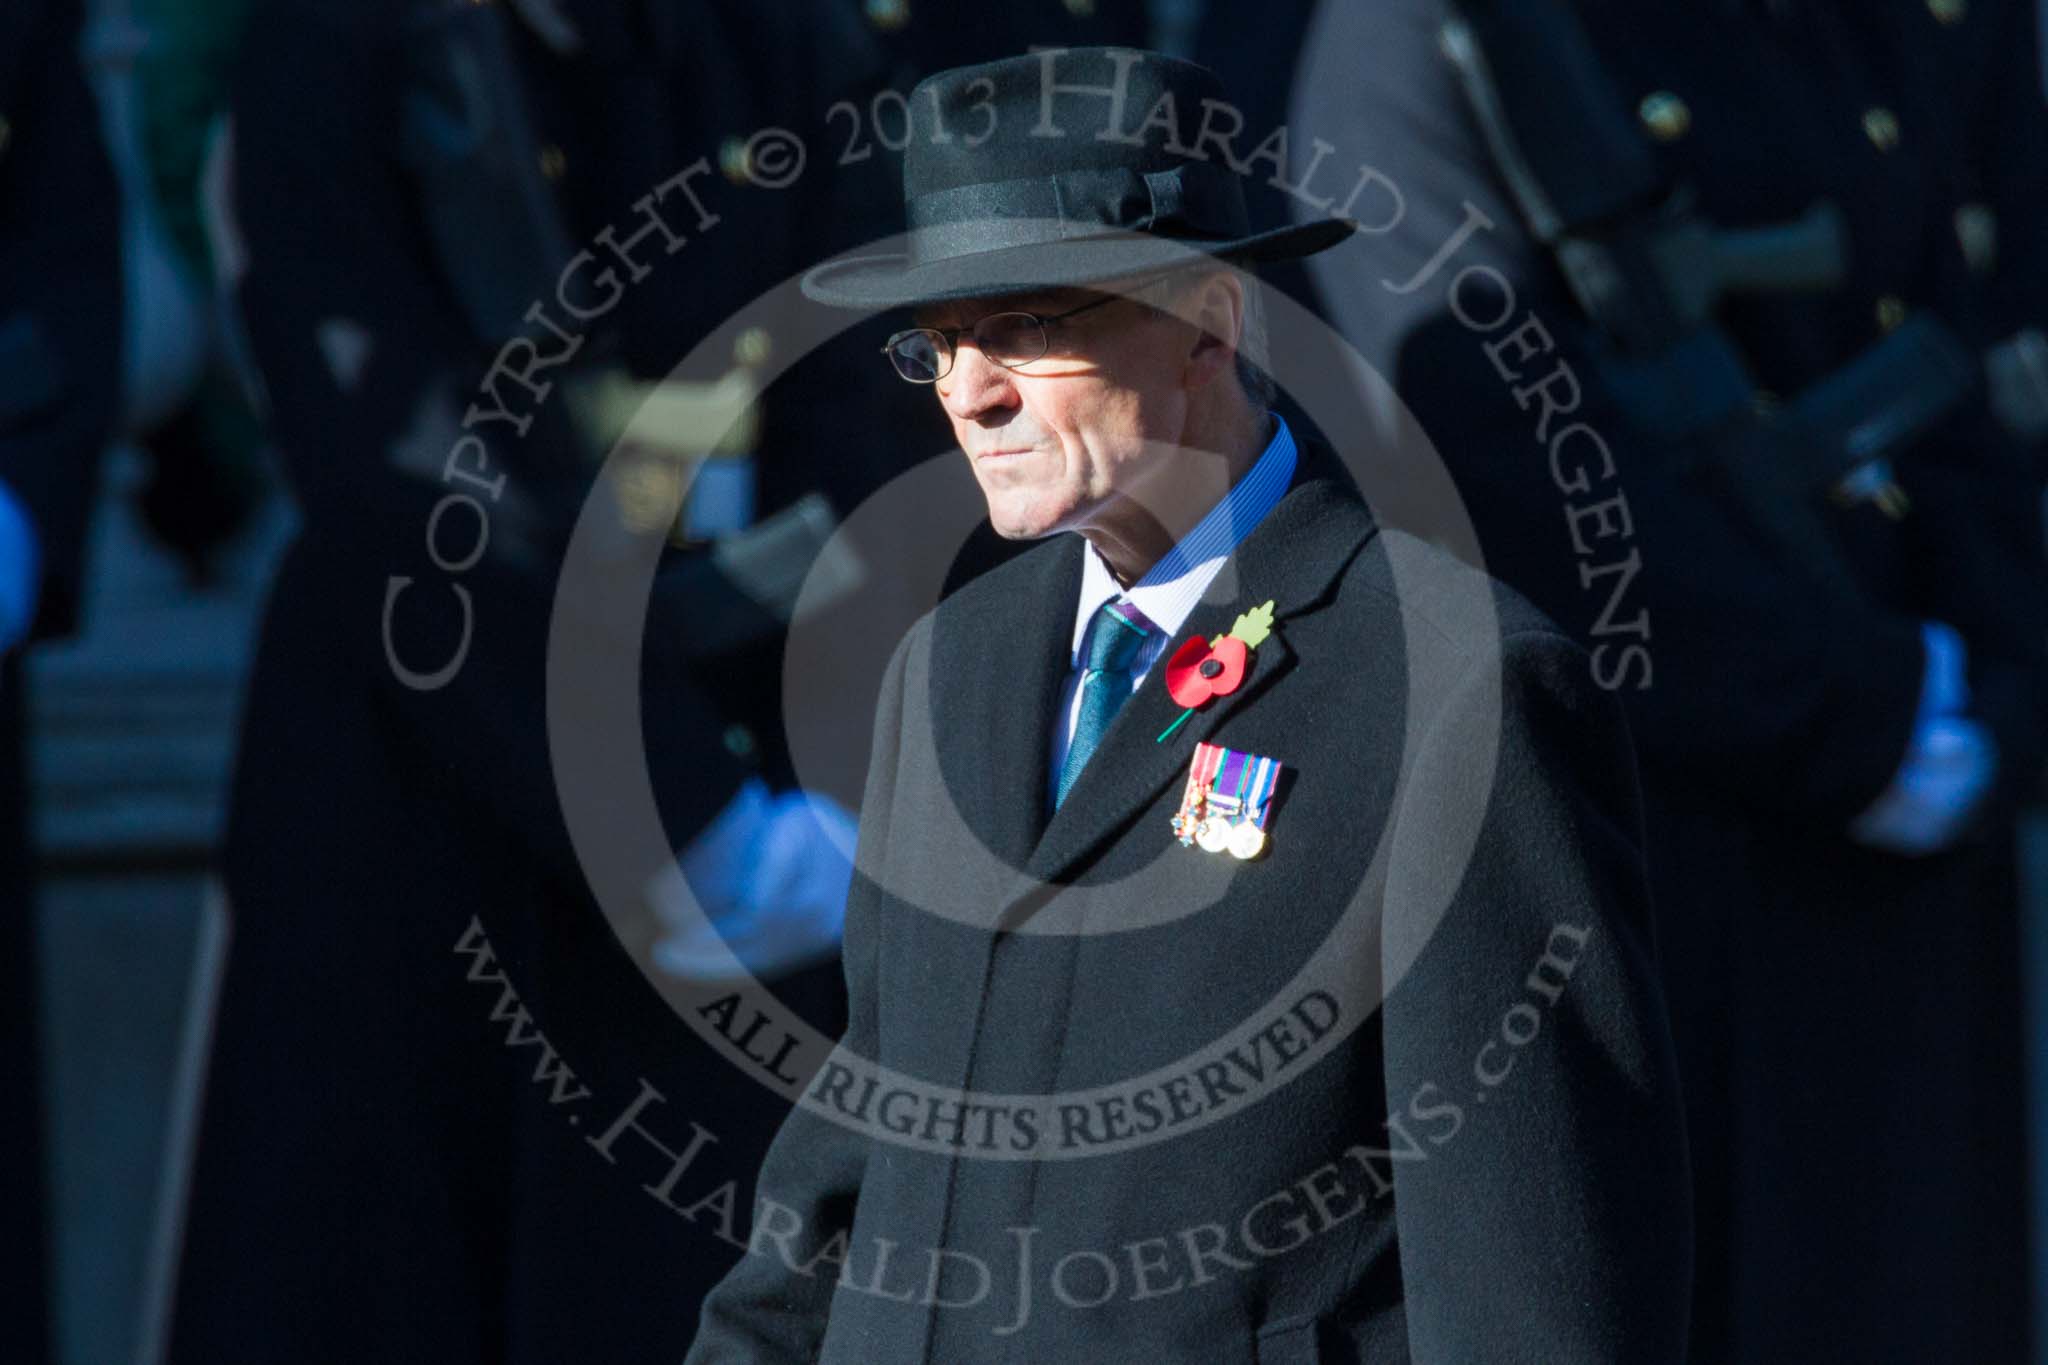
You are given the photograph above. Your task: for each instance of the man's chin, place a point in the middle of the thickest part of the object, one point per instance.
(1030, 523)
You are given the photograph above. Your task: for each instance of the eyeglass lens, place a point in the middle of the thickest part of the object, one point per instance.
(923, 354)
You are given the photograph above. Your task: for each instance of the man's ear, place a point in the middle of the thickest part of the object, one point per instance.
(1216, 309)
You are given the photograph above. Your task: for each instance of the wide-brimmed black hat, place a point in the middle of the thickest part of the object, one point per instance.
(1063, 168)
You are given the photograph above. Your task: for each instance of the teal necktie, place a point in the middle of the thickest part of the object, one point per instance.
(1112, 647)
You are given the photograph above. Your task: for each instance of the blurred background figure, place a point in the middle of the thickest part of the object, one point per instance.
(394, 838)
(60, 317)
(113, 347)
(1788, 489)
(108, 338)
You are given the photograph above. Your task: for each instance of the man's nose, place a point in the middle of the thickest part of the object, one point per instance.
(976, 386)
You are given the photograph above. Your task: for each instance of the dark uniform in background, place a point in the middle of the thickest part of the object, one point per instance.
(1257, 50)
(381, 1176)
(60, 378)
(1848, 1018)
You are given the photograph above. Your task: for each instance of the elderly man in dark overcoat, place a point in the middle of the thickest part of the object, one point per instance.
(1248, 957)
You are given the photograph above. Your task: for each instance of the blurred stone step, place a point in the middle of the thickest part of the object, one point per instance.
(133, 724)
(131, 769)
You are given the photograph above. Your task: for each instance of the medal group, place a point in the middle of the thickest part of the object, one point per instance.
(1225, 804)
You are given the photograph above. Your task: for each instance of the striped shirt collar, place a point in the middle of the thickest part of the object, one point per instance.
(1168, 592)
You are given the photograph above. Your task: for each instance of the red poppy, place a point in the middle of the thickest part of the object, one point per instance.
(1199, 670)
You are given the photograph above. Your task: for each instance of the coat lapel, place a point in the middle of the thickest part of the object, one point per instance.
(1293, 557)
(993, 719)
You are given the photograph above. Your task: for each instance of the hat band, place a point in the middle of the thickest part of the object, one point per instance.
(1193, 200)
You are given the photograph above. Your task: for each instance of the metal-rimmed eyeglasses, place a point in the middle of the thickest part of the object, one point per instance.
(1012, 338)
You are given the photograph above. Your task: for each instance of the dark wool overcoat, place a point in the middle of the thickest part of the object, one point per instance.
(1487, 1164)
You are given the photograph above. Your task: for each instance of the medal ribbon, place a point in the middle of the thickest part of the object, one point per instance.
(1259, 794)
(1201, 772)
(1230, 775)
